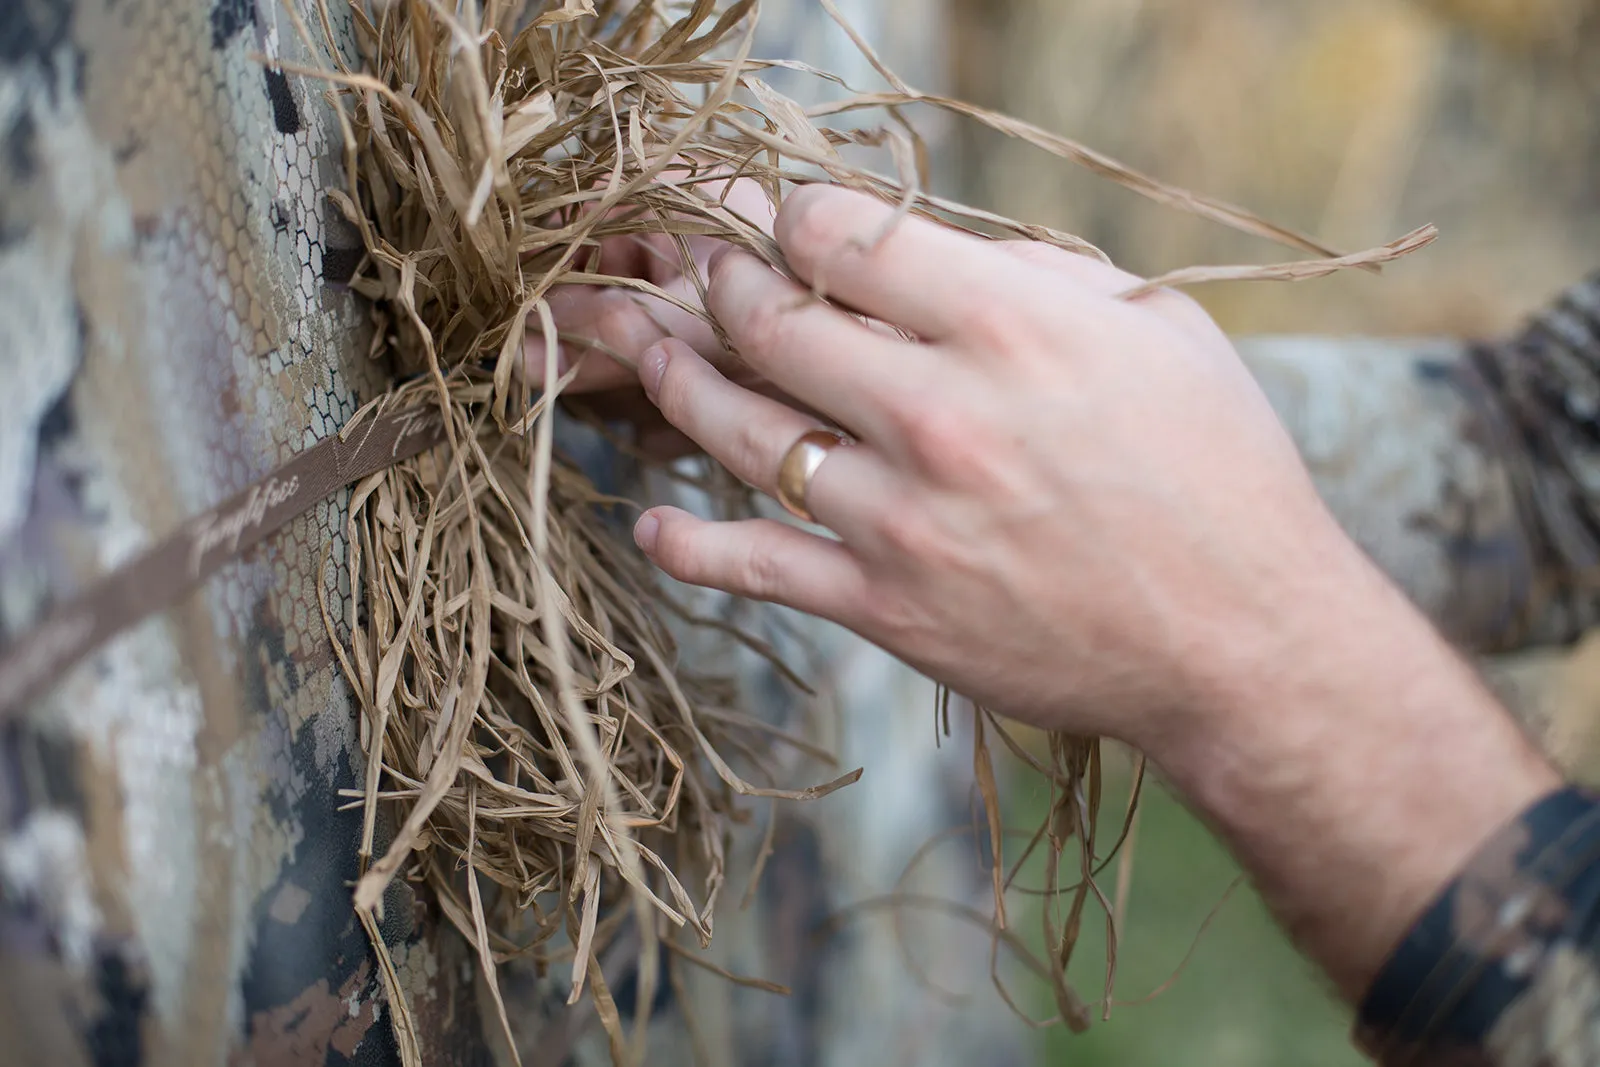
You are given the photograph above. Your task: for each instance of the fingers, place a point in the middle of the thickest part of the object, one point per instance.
(625, 323)
(758, 560)
(1085, 271)
(1100, 279)
(610, 329)
(922, 276)
(746, 199)
(750, 435)
(592, 322)
(939, 283)
(816, 353)
(745, 433)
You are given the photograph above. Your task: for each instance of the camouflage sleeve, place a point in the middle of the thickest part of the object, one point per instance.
(1504, 968)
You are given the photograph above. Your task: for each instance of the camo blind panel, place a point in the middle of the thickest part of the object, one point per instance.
(171, 328)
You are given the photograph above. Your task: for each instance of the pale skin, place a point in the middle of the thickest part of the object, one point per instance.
(1081, 512)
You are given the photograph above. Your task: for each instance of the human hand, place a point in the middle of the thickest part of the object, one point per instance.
(606, 331)
(1080, 511)
(1067, 506)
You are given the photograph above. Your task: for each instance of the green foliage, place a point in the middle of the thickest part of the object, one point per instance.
(1246, 997)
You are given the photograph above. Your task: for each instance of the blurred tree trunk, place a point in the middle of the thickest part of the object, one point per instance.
(977, 51)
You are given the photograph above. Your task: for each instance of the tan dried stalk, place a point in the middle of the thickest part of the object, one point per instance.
(553, 769)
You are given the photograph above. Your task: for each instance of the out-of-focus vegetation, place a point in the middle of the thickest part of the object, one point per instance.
(1243, 998)
(1356, 120)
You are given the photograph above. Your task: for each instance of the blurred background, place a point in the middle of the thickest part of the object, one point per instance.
(1357, 121)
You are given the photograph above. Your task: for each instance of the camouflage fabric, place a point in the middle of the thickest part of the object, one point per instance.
(1504, 969)
(174, 855)
(1467, 470)
(1541, 410)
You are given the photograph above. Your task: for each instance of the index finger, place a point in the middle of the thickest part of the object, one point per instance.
(610, 328)
(917, 274)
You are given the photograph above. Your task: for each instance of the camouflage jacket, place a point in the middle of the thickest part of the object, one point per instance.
(1504, 968)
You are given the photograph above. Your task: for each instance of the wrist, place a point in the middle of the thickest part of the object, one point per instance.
(1351, 760)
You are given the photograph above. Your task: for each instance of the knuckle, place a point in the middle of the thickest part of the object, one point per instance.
(1179, 306)
(1037, 254)
(903, 411)
(728, 282)
(943, 442)
(996, 326)
(967, 455)
(717, 274)
(761, 573)
(611, 333)
(909, 539)
(950, 440)
(923, 545)
(904, 537)
(768, 327)
(804, 228)
(814, 240)
(749, 455)
(617, 326)
(1086, 269)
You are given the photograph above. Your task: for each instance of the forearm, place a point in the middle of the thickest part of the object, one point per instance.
(1353, 763)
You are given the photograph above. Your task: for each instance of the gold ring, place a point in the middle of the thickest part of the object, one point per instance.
(800, 465)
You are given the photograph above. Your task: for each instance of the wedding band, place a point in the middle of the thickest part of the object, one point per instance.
(800, 466)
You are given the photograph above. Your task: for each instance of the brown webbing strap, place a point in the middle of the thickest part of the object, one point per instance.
(165, 574)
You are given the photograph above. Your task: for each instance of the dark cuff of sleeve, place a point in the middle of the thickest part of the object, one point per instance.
(1479, 981)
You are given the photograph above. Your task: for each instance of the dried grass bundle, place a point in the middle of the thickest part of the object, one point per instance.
(558, 775)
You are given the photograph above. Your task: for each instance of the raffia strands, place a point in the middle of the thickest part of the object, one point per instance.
(561, 783)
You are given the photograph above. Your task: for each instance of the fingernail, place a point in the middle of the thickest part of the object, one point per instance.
(652, 367)
(646, 531)
(716, 259)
